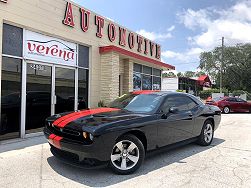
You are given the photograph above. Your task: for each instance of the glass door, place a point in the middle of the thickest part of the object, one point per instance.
(49, 90)
(10, 98)
(64, 89)
(38, 96)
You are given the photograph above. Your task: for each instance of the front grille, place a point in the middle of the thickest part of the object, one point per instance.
(66, 133)
(65, 154)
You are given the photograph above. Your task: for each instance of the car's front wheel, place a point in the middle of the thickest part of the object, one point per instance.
(207, 134)
(226, 109)
(127, 155)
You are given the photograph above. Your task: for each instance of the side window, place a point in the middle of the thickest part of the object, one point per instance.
(231, 100)
(175, 101)
(181, 103)
(169, 102)
(240, 100)
(191, 104)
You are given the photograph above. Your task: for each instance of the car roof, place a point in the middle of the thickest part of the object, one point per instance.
(158, 92)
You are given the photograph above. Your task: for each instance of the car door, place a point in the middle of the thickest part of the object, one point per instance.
(242, 105)
(178, 126)
(232, 103)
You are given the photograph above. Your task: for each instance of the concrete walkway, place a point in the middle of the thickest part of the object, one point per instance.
(227, 163)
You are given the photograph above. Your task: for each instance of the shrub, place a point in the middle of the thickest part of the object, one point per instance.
(208, 93)
(241, 92)
(101, 104)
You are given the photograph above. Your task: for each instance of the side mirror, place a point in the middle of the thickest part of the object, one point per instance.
(173, 110)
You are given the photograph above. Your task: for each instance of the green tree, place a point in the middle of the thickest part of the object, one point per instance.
(236, 66)
(180, 74)
(168, 74)
(200, 73)
(189, 74)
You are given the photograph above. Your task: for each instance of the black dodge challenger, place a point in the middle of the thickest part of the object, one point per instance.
(121, 134)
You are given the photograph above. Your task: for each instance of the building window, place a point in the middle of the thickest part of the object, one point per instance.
(12, 40)
(82, 89)
(83, 56)
(83, 72)
(146, 78)
(11, 82)
(10, 98)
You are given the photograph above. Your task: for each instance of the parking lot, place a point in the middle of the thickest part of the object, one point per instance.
(226, 163)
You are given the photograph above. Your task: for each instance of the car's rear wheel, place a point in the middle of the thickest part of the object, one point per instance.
(226, 109)
(127, 155)
(207, 134)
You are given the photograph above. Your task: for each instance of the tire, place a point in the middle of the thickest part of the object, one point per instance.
(226, 110)
(207, 134)
(126, 161)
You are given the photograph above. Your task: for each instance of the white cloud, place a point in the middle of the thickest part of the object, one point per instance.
(154, 36)
(171, 28)
(233, 23)
(210, 24)
(192, 19)
(191, 55)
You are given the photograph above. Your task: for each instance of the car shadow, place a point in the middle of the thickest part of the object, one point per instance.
(104, 177)
(20, 143)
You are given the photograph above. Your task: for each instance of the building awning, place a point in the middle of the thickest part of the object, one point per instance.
(203, 78)
(106, 49)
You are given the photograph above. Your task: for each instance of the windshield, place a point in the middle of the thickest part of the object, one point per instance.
(137, 103)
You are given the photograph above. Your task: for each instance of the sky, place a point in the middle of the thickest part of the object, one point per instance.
(183, 28)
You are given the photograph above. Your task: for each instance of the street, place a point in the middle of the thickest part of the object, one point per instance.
(226, 163)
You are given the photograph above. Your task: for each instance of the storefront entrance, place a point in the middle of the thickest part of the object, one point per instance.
(40, 76)
(49, 90)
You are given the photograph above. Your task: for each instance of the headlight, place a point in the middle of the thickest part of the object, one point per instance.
(87, 135)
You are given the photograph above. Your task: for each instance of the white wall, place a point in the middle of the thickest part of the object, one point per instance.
(169, 84)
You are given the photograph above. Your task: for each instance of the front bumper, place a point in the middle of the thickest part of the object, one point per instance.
(77, 152)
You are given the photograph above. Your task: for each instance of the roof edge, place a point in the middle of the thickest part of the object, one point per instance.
(106, 49)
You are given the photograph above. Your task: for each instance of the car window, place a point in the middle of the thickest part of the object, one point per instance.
(240, 100)
(231, 99)
(143, 103)
(191, 104)
(182, 103)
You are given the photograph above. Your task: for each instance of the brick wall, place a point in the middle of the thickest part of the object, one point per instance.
(109, 76)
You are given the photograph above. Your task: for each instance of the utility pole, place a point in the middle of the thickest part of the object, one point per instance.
(222, 52)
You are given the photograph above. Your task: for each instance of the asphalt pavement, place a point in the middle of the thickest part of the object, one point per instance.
(226, 163)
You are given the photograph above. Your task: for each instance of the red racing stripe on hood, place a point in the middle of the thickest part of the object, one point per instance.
(64, 121)
(65, 117)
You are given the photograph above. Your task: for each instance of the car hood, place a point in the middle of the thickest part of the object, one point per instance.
(91, 120)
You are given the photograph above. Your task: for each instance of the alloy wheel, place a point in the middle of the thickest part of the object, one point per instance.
(208, 133)
(226, 110)
(125, 155)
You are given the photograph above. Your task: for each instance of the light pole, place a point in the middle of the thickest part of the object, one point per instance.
(222, 51)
